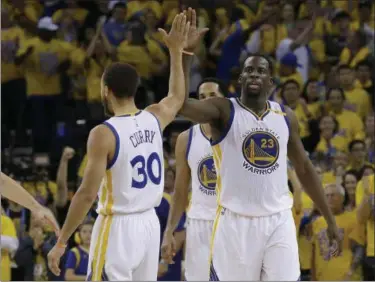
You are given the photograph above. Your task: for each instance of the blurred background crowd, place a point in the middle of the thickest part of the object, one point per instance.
(53, 53)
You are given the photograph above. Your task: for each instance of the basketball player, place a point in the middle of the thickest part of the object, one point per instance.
(254, 236)
(195, 165)
(16, 193)
(125, 160)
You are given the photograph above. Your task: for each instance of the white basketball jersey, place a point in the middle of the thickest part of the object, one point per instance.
(251, 161)
(134, 179)
(203, 202)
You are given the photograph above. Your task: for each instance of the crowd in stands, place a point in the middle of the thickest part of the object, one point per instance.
(53, 53)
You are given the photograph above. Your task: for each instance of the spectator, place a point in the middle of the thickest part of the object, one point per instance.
(357, 99)
(358, 158)
(115, 28)
(350, 124)
(78, 257)
(326, 267)
(9, 245)
(349, 182)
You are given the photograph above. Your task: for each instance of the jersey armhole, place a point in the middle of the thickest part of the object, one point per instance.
(189, 142)
(117, 146)
(228, 125)
(157, 120)
(285, 117)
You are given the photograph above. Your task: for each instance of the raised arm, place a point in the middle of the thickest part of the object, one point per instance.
(307, 175)
(167, 109)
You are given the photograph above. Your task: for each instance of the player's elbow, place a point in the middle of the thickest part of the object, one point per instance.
(86, 195)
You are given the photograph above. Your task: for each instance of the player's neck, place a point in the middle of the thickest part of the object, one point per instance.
(256, 104)
(124, 108)
(206, 129)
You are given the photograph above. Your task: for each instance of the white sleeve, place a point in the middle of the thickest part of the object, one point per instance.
(283, 48)
(9, 243)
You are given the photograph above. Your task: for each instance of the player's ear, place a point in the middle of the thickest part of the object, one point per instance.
(272, 81)
(106, 91)
(240, 78)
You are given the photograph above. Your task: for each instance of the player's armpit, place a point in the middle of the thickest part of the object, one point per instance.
(182, 182)
(213, 111)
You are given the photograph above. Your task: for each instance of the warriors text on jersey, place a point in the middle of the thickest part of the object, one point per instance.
(251, 161)
(134, 180)
(203, 175)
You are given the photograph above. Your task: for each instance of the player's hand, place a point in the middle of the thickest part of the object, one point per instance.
(195, 34)
(168, 248)
(162, 269)
(177, 37)
(46, 217)
(68, 153)
(54, 257)
(334, 240)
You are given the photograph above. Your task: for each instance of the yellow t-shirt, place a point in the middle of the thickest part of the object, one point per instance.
(358, 101)
(338, 143)
(296, 76)
(350, 124)
(9, 39)
(7, 229)
(303, 121)
(82, 166)
(329, 177)
(41, 65)
(360, 193)
(304, 244)
(271, 38)
(334, 268)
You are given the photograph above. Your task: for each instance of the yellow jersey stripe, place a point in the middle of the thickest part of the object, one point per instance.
(103, 248)
(109, 188)
(96, 251)
(214, 228)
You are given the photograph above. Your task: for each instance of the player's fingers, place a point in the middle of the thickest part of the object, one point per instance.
(203, 31)
(174, 23)
(182, 23)
(189, 14)
(187, 28)
(193, 18)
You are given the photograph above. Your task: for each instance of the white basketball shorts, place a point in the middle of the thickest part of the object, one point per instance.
(254, 248)
(125, 247)
(198, 237)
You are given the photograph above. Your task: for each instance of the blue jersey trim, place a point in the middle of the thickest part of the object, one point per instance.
(285, 117)
(229, 125)
(117, 148)
(189, 142)
(157, 120)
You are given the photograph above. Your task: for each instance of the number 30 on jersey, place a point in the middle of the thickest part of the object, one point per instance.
(145, 170)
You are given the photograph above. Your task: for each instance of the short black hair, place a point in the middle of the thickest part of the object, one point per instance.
(267, 58)
(355, 142)
(122, 79)
(222, 86)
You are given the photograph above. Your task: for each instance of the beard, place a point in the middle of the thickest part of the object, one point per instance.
(107, 110)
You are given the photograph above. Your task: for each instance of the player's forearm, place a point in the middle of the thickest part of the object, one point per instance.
(313, 187)
(61, 181)
(178, 206)
(186, 62)
(176, 77)
(79, 207)
(16, 193)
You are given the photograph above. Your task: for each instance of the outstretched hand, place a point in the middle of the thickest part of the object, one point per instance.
(177, 36)
(195, 34)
